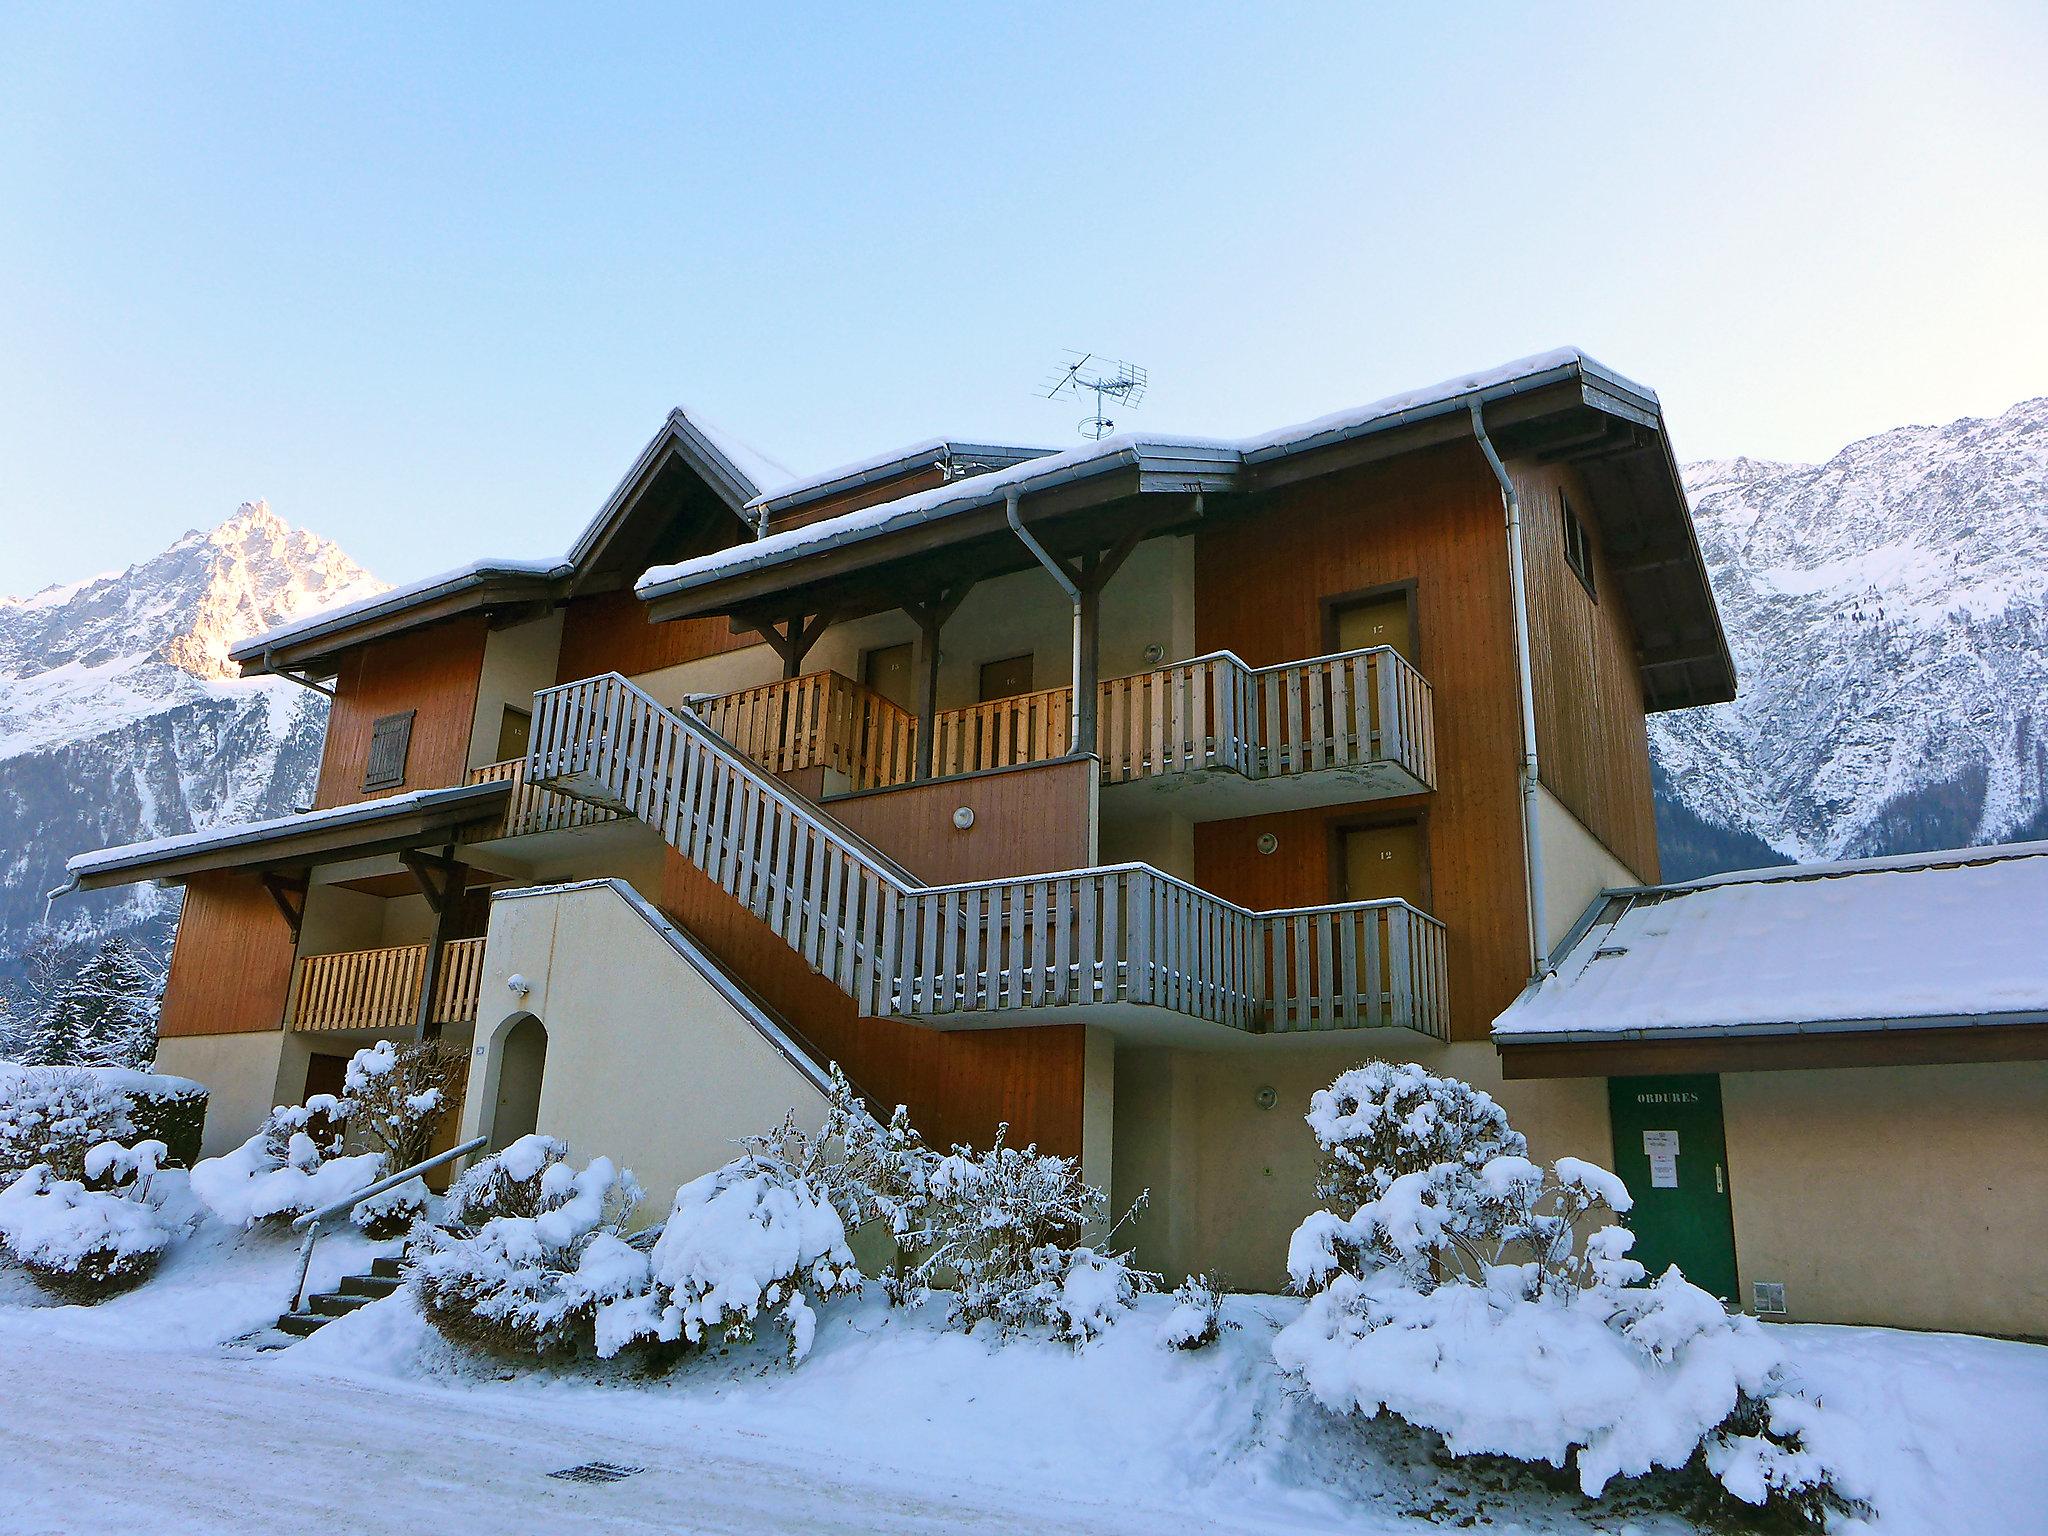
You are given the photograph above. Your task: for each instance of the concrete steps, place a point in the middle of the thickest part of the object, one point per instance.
(352, 1292)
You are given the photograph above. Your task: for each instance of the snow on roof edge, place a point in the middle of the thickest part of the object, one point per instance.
(391, 599)
(811, 487)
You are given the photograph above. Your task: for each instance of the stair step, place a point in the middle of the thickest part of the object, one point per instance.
(371, 1286)
(386, 1269)
(334, 1304)
(299, 1324)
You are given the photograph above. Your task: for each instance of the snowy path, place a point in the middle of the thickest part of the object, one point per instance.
(112, 1441)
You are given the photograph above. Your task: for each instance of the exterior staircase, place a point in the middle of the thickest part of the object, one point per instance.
(980, 951)
(352, 1292)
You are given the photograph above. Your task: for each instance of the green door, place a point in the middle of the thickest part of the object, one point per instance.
(1670, 1151)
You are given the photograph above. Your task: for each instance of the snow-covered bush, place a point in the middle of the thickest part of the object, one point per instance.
(750, 1238)
(393, 1213)
(78, 1243)
(1004, 1228)
(1459, 1296)
(1196, 1320)
(55, 1115)
(399, 1095)
(534, 1255)
(292, 1165)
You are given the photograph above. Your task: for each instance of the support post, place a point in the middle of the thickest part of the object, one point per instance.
(930, 617)
(1087, 667)
(445, 897)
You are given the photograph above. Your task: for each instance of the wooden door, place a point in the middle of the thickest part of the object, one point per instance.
(1005, 679)
(325, 1074)
(515, 729)
(1383, 620)
(890, 670)
(1386, 860)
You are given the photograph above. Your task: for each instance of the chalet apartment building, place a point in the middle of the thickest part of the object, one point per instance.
(1121, 795)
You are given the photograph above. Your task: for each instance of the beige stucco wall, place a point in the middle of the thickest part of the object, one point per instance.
(1230, 1181)
(1910, 1196)
(518, 662)
(1577, 866)
(240, 1073)
(647, 1063)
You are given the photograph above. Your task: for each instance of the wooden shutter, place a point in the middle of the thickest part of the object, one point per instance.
(390, 739)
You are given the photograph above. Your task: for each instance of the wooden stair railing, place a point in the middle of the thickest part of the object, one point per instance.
(902, 948)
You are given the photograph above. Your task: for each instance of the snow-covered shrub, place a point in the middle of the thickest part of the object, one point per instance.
(392, 1214)
(55, 1115)
(1196, 1320)
(750, 1238)
(531, 1284)
(292, 1165)
(1459, 1296)
(113, 1166)
(399, 1095)
(78, 1243)
(1004, 1228)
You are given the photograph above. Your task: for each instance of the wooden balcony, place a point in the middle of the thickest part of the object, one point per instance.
(380, 988)
(534, 809)
(1365, 718)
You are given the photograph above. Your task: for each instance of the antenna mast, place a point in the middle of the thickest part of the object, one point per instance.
(1109, 380)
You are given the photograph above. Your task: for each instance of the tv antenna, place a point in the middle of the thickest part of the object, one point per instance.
(1109, 380)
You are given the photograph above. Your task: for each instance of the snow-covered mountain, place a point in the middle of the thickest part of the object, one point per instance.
(1888, 612)
(121, 717)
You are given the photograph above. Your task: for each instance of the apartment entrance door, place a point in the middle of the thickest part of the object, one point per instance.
(1386, 860)
(1671, 1152)
(1380, 620)
(889, 671)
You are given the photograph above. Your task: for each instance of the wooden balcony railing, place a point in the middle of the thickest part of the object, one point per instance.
(819, 720)
(1349, 710)
(380, 988)
(534, 809)
(1126, 933)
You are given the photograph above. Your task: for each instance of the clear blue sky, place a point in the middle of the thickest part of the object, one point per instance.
(426, 277)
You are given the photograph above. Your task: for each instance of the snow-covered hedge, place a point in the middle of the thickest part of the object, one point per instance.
(532, 1255)
(82, 1244)
(1459, 1296)
(54, 1114)
(393, 1213)
(292, 1165)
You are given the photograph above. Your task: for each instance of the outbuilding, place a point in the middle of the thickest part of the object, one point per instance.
(1827, 1083)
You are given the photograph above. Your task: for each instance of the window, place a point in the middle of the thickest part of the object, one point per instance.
(1005, 679)
(390, 739)
(1578, 548)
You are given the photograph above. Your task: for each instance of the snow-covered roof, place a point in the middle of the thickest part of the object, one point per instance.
(887, 466)
(737, 472)
(362, 814)
(1224, 454)
(1958, 937)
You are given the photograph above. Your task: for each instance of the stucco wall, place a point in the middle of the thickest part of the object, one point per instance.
(1909, 1196)
(517, 663)
(240, 1073)
(647, 1063)
(1230, 1181)
(1577, 866)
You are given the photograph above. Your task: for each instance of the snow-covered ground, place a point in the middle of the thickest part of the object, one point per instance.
(142, 1414)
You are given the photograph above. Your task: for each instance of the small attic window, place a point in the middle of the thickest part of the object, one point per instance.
(1578, 548)
(390, 739)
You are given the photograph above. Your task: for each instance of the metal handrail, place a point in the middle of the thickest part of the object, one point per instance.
(311, 1220)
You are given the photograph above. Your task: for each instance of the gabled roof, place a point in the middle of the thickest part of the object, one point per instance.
(686, 454)
(1926, 941)
(1560, 403)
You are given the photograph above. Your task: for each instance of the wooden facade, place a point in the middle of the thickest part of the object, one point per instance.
(432, 672)
(609, 632)
(1027, 821)
(1591, 738)
(231, 966)
(1432, 519)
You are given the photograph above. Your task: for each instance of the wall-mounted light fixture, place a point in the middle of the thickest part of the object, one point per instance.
(1268, 843)
(1155, 653)
(518, 985)
(963, 817)
(1268, 1097)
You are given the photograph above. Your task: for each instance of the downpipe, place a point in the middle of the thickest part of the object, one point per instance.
(1039, 553)
(1532, 838)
